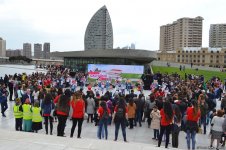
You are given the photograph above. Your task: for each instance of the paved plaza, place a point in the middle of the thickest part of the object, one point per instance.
(139, 136)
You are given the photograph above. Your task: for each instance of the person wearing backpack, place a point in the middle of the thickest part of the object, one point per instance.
(103, 113)
(120, 117)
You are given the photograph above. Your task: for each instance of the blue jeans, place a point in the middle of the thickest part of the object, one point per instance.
(4, 107)
(102, 132)
(203, 121)
(123, 127)
(138, 117)
(103, 122)
(156, 133)
(191, 138)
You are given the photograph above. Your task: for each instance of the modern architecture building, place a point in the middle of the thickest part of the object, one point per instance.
(99, 33)
(2, 47)
(212, 57)
(99, 47)
(77, 59)
(217, 35)
(37, 50)
(11, 53)
(46, 50)
(27, 50)
(185, 32)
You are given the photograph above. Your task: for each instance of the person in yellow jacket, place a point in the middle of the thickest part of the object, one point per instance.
(36, 117)
(18, 114)
(27, 116)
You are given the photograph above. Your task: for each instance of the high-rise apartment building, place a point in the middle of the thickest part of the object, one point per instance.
(2, 47)
(185, 32)
(217, 35)
(99, 33)
(10, 52)
(38, 50)
(27, 50)
(46, 51)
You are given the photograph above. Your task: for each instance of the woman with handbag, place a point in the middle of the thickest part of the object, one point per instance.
(217, 130)
(193, 115)
(47, 108)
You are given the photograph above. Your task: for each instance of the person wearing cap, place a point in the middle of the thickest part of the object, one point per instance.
(18, 114)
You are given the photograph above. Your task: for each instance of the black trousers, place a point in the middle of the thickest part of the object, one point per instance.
(167, 130)
(10, 94)
(4, 107)
(131, 121)
(48, 120)
(61, 124)
(18, 125)
(75, 121)
(90, 116)
(175, 140)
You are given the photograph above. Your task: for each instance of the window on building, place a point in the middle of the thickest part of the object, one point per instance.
(211, 56)
(178, 56)
(203, 56)
(211, 51)
(194, 61)
(203, 61)
(217, 56)
(217, 51)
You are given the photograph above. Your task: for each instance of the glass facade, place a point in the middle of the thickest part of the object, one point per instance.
(81, 63)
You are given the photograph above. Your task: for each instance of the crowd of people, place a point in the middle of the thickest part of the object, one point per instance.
(173, 105)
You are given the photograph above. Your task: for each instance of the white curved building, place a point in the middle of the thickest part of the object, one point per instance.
(99, 33)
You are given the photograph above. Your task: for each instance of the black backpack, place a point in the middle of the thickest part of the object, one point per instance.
(120, 114)
(105, 114)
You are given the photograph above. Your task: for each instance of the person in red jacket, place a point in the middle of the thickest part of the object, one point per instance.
(166, 120)
(78, 106)
(104, 114)
(193, 115)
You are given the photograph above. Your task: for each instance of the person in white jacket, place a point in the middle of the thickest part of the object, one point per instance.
(155, 122)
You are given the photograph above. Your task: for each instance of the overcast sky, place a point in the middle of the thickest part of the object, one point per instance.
(63, 22)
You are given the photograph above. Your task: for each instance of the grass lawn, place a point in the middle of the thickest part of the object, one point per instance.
(131, 76)
(207, 74)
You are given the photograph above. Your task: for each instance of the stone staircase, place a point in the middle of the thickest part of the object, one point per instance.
(23, 141)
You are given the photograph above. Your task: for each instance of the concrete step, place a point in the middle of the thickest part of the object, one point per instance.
(24, 141)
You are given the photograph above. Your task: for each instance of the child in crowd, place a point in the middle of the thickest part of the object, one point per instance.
(36, 117)
(18, 114)
(27, 116)
(155, 122)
